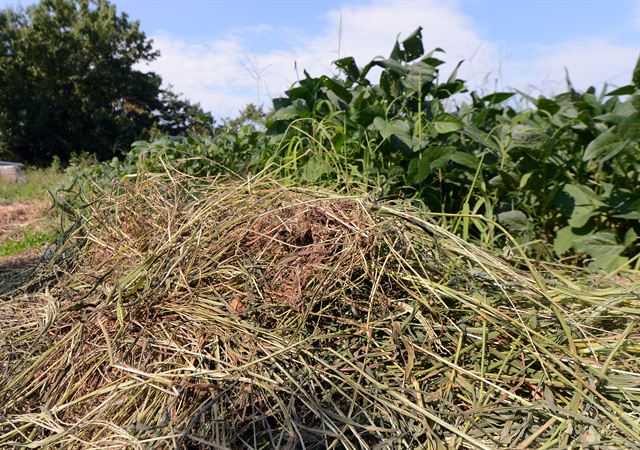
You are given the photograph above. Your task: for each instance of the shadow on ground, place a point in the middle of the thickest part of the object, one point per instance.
(16, 271)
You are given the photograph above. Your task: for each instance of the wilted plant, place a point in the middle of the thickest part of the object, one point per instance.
(212, 313)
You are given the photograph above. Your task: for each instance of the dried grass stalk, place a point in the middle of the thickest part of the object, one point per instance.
(248, 315)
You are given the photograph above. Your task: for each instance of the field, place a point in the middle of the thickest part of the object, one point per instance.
(26, 222)
(400, 264)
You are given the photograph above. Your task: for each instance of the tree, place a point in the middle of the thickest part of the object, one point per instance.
(250, 115)
(179, 116)
(68, 83)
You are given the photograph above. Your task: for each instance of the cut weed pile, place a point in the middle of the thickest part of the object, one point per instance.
(213, 314)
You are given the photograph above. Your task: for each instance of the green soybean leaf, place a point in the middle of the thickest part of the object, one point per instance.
(396, 52)
(448, 89)
(412, 45)
(296, 110)
(431, 60)
(366, 115)
(400, 129)
(440, 156)
(337, 88)
(419, 75)
(564, 240)
(419, 169)
(515, 221)
(604, 147)
(480, 137)
(447, 123)
(624, 90)
(465, 159)
(349, 67)
(604, 248)
(524, 179)
(281, 102)
(581, 216)
(583, 204)
(497, 97)
(403, 133)
(630, 237)
(384, 127)
(547, 105)
(392, 65)
(454, 74)
(510, 179)
(630, 213)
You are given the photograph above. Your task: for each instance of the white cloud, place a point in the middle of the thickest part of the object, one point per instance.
(589, 62)
(225, 74)
(207, 72)
(221, 74)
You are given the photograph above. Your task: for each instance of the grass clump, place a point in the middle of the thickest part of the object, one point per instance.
(35, 187)
(29, 240)
(203, 313)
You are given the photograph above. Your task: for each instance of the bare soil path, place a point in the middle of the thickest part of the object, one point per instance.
(16, 215)
(15, 219)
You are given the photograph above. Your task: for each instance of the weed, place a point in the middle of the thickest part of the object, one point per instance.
(35, 187)
(230, 313)
(29, 240)
(562, 174)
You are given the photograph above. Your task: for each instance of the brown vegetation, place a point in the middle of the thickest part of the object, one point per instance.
(213, 314)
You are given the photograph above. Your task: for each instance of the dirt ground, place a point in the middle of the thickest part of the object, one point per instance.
(19, 261)
(15, 217)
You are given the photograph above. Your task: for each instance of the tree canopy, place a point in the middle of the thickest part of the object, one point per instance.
(68, 82)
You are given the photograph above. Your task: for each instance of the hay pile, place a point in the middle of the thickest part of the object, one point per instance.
(193, 314)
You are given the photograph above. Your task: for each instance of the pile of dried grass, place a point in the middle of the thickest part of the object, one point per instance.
(248, 315)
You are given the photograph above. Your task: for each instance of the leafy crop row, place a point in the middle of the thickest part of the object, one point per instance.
(562, 174)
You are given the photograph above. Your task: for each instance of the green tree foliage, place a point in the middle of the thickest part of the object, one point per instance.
(250, 115)
(68, 83)
(178, 116)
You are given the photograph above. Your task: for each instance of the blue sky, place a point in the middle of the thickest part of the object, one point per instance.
(224, 54)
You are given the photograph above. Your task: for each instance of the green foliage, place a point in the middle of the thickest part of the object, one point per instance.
(68, 83)
(562, 174)
(179, 116)
(36, 184)
(251, 115)
(28, 241)
(229, 152)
